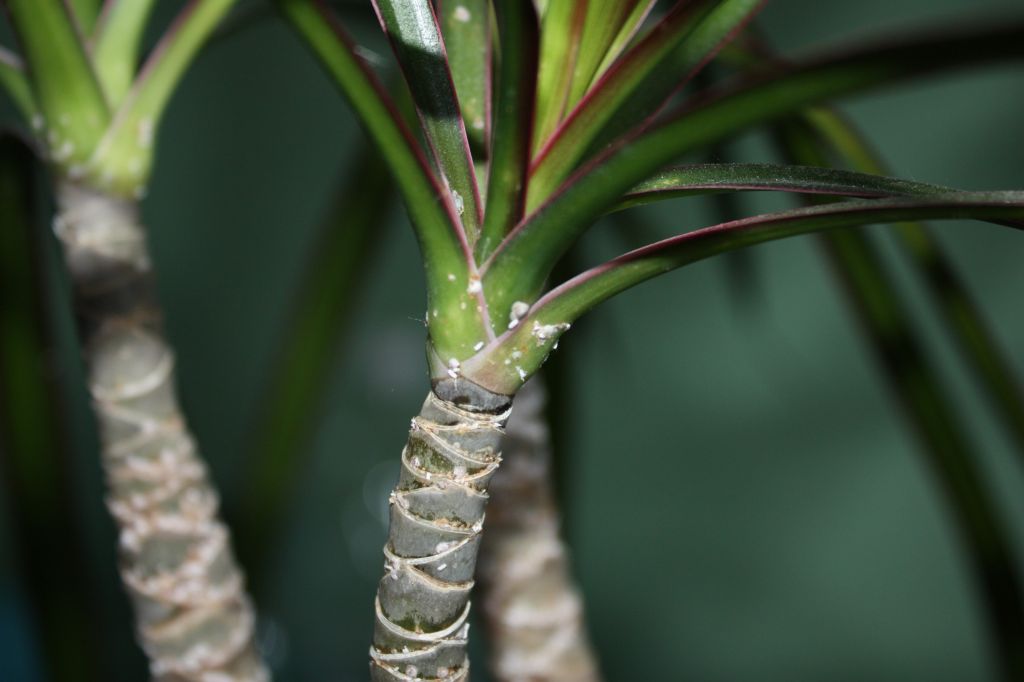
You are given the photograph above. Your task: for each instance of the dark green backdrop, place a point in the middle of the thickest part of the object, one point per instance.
(781, 525)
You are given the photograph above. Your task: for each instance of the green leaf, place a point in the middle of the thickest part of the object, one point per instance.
(416, 39)
(13, 80)
(627, 31)
(560, 35)
(123, 158)
(520, 265)
(466, 27)
(890, 330)
(36, 453)
(455, 324)
(115, 50)
(638, 86)
(564, 304)
(708, 178)
(311, 344)
(85, 13)
(513, 112)
(604, 21)
(74, 112)
(961, 314)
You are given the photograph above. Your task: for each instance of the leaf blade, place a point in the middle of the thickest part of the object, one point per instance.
(564, 304)
(547, 233)
(442, 244)
(705, 178)
(466, 28)
(416, 40)
(513, 124)
(639, 84)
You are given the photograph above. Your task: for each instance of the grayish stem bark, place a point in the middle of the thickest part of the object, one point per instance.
(531, 606)
(193, 617)
(437, 513)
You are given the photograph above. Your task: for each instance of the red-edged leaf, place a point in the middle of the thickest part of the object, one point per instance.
(415, 37)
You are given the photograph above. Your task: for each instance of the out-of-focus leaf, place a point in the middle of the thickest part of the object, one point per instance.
(122, 160)
(890, 331)
(309, 348)
(35, 455)
(14, 82)
(962, 316)
(115, 48)
(69, 98)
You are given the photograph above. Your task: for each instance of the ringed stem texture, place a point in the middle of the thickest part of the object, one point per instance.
(437, 514)
(532, 609)
(193, 617)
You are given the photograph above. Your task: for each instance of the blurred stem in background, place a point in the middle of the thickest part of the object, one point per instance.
(311, 345)
(35, 453)
(96, 113)
(949, 455)
(533, 610)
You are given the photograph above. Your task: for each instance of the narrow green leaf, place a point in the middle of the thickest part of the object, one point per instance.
(560, 34)
(115, 49)
(466, 27)
(122, 161)
(74, 112)
(513, 111)
(311, 344)
(961, 314)
(603, 22)
(14, 82)
(34, 454)
(638, 85)
(628, 30)
(85, 13)
(455, 325)
(520, 265)
(564, 304)
(708, 178)
(416, 39)
(890, 330)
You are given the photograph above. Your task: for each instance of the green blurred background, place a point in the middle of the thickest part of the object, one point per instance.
(742, 494)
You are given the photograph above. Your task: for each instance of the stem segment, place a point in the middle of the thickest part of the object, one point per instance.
(194, 620)
(437, 513)
(532, 608)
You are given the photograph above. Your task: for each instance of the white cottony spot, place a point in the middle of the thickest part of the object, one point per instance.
(474, 285)
(521, 372)
(478, 345)
(460, 205)
(544, 332)
(454, 368)
(462, 14)
(451, 276)
(519, 310)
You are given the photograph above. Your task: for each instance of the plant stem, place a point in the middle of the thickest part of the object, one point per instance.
(532, 608)
(194, 620)
(437, 512)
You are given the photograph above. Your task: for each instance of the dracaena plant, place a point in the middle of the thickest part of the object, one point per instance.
(534, 120)
(94, 107)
